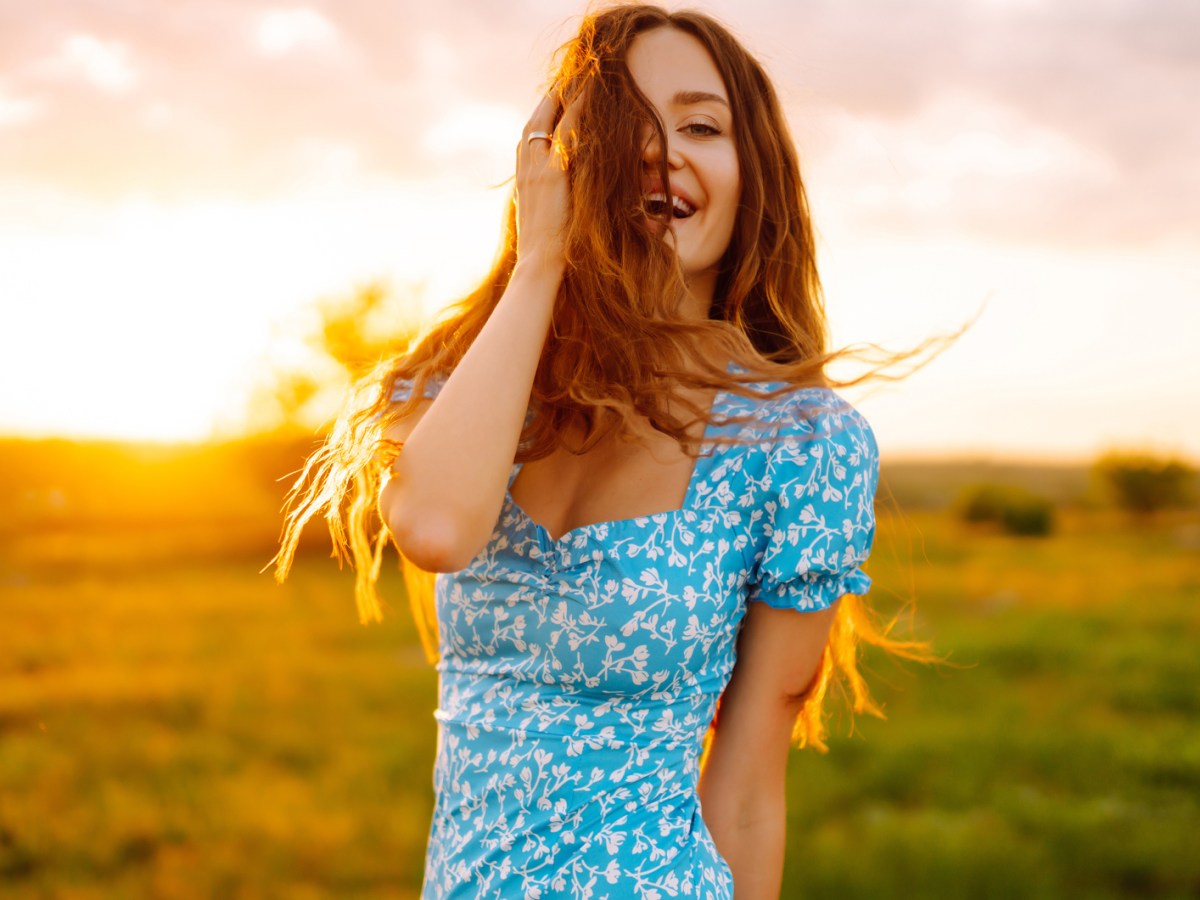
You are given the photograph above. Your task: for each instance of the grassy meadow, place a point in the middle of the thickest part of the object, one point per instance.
(174, 724)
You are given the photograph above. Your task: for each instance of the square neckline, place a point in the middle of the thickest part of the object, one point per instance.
(689, 497)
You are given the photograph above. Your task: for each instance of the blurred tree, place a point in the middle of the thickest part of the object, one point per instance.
(1015, 510)
(1143, 484)
(981, 503)
(323, 351)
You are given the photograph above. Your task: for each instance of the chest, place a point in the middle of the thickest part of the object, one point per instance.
(616, 480)
(644, 594)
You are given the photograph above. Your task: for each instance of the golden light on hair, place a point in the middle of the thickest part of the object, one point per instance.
(616, 342)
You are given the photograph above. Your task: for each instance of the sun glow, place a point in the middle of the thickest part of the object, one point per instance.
(174, 201)
(159, 316)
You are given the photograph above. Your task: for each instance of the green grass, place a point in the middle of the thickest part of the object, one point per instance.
(190, 729)
(1057, 756)
(203, 732)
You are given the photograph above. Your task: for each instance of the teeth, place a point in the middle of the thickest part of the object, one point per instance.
(682, 208)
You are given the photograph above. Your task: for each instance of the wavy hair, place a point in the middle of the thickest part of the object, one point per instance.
(619, 348)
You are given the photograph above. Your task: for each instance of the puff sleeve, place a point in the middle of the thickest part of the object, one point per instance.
(819, 508)
(402, 388)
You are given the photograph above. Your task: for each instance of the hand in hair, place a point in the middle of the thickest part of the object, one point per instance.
(447, 487)
(543, 192)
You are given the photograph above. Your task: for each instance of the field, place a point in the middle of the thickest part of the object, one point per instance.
(174, 724)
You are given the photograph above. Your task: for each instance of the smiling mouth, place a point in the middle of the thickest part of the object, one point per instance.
(656, 205)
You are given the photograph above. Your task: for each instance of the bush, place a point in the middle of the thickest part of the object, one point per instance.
(1015, 510)
(1143, 484)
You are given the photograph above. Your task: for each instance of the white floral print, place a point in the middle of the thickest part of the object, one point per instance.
(578, 676)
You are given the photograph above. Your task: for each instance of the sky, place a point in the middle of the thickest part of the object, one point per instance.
(180, 182)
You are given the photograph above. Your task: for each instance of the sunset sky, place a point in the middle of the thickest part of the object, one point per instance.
(180, 181)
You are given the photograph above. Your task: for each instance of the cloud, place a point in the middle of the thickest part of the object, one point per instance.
(1031, 119)
(1104, 92)
(215, 114)
(282, 31)
(16, 111)
(104, 64)
(964, 164)
(474, 128)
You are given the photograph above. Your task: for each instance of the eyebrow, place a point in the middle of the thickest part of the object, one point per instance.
(689, 98)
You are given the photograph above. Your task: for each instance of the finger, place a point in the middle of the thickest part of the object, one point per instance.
(568, 122)
(542, 118)
(565, 136)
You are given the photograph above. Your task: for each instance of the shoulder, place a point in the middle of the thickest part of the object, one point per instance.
(819, 449)
(808, 414)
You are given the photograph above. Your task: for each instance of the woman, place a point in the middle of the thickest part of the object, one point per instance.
(624, 457)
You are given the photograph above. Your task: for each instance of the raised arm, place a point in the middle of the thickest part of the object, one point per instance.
(448, 484)
(742, 787)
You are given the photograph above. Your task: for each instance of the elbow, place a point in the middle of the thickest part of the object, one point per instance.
(433, 541)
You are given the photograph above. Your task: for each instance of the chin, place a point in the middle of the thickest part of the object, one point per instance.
(696, 268)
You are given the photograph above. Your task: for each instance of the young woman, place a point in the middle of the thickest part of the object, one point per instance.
(641, 491)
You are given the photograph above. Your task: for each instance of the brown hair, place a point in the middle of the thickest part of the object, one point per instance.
(617, 341)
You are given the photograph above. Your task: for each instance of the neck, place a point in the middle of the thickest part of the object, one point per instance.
(700, 291)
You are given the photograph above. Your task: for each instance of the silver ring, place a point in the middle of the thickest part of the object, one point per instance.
(538, 136)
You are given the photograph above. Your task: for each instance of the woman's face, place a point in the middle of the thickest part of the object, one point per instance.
(677, 76)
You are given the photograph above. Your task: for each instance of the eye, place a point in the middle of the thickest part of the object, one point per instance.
(701, 129)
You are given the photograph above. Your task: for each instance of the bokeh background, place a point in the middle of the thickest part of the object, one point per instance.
(213, 214)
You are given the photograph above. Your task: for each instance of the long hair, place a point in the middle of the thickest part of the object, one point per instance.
(619, 347)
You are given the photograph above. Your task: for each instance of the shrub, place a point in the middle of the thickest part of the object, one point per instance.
(1143, 484)
(1013, 509)
(1028, 514)
(981, 503)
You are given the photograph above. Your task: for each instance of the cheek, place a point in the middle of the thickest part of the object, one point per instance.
(731, 195)
(728, 182)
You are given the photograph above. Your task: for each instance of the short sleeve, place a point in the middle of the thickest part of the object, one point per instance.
(402, 388)
(819, 510)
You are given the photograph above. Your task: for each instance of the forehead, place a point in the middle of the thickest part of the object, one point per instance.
(666, 61)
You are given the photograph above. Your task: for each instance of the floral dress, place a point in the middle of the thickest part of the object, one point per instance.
(578, 675)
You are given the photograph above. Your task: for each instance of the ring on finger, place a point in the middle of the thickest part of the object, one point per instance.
(538, 136)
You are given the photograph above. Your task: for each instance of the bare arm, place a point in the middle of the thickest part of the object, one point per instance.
(742, 788)
(448, 484)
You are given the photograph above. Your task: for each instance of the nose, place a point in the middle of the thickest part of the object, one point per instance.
(652, 151)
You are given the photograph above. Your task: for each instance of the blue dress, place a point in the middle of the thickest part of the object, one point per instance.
(578, 676)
